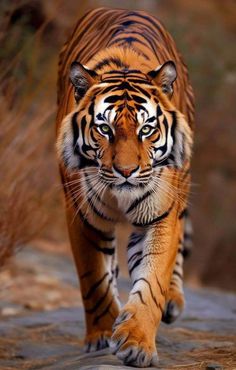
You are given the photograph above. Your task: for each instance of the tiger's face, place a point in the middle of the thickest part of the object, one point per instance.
(125, 126)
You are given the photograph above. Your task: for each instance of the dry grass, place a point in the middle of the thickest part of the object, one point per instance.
(27, 109)
(22, 188)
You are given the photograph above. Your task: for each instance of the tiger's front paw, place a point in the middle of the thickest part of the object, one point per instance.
(97, 341)
(133, 339)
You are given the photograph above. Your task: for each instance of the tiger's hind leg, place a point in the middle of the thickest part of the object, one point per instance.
(175, 298)
(94, 254)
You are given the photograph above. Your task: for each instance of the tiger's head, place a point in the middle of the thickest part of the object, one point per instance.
(124, 124)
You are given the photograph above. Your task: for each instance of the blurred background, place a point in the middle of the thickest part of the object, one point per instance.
(31, 200)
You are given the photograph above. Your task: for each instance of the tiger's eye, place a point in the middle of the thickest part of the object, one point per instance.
(105, 129)
(145, 130)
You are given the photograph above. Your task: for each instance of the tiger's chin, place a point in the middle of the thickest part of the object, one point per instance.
(128, 187)
(127, 192)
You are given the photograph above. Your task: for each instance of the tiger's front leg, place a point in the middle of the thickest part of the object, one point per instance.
(94, 254)
(151, 267)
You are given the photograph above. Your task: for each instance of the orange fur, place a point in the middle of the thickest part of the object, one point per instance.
(93, 207)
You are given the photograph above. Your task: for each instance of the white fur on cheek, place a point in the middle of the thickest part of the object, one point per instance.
(183, 141)
(64, 144)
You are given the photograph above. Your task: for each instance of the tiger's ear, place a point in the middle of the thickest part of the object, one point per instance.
(82, 78)
(164, 76)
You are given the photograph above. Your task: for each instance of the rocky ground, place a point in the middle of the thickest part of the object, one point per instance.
(42, 323)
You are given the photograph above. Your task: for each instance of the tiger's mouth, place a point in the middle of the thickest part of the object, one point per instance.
(122, 183)
(129, 186)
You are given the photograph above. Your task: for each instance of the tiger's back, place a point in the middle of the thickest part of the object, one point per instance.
(102, 28)
(124, 139)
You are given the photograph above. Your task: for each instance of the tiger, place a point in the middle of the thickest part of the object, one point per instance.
(124, 137)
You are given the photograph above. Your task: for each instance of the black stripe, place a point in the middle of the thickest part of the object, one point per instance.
(127, 72)
(91, 111)
(163, 148)
(134, 255)
(105, 250)
(110, 88)
(115, 98)
(124, 85)
(147, 18)
(159, 111)
(178, 274)
(85, 162)
(83, 124)
(174, 123)
(187, 236)
(115, 73)
(126, 32)
(107, 61)
(102, 63)
(151, 254)
(150, 288)
(160, 287)
(145, 177)
(183, 213)
(99, 302)
(97, 318)
(140, 107)
(140, 296)
(95, 286)
(139, 99)
(112, 80)
(138, 201)
(185, 252)
(134, 359)
(180, 250)
(128, 40)
(95, 210)
(147, 36)
(100, 117)
(86, 274)
(99, 233)
(115, 272)
(136, 264)
(135, 239)
(128, 23)
(140, 81)
(150, 119)
(75, 133)
(144, 92)
(156, 219)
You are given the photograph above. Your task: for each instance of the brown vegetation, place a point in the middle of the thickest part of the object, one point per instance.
(26, 142)
(22, 188)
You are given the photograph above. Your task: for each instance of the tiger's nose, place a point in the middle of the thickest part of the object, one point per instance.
(125, 171)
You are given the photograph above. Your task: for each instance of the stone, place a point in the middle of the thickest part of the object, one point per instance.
(48, 333)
